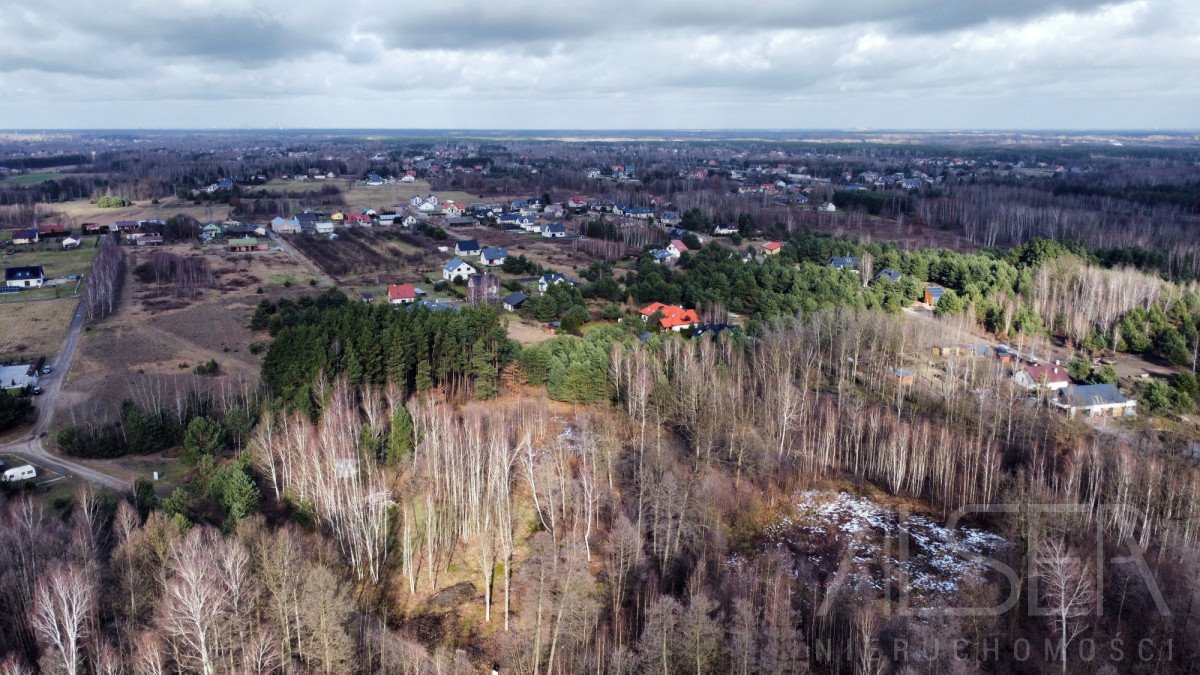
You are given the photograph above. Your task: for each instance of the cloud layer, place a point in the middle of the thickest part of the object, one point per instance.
(1065, 64)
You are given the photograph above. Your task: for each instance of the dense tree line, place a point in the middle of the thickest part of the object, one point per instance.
(414, 349)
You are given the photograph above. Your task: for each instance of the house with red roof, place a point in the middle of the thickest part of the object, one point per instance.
(676, 248)
(1045, 376)
(674, 317)
(402, 294)
(772, 247)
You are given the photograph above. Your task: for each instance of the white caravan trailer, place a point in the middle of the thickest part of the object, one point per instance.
(20, 473)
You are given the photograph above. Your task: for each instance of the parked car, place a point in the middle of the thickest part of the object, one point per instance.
(37, 391)
(46, 370)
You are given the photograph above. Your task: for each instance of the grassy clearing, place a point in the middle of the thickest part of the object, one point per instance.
(84, 211)
(30, 178)
(35, 328)
(55, 262)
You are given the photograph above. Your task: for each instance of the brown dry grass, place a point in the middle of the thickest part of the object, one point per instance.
(154, 333)
(527, 333)
(36, 327)
(358, 195)
(83, 211)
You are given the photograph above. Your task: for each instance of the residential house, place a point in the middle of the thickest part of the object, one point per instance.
(889, 274)
(552, 278)
(492, 256)
(844, 263)
(1049, 377)
(483, 289)
(149, 240)
(461, 221)
(772, 247)
(828, 207)
(246, 244)
(324, 227)
(554, 211)
(904, 377)
(451, 209)
(673, 317)
(676, 248)
(514, 300)
(338, 217)
(359, 219)
(30, 276)
(933, 294)
(29, 236)
(457, 269)
(467, 247)
(410, 221)
(554, 231)
(285, 225)
(660, 255)
(402, 294)
(725, 229)
(670, 218)
(52, 230)
(212, 231)
(1096, 400)
(577, 202)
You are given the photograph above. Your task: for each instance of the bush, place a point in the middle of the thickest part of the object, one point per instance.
(210, 368)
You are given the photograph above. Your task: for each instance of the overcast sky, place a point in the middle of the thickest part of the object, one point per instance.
(600, 64)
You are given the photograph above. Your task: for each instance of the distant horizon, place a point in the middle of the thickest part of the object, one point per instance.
(600, 130)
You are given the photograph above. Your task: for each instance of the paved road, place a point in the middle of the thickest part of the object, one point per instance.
(30, 448)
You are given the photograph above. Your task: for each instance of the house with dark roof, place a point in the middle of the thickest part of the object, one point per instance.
(933, 294)
(554, 231)
(457, 269)
(1096, 400)
(889, 274)
(844, 263)
(467, 247)
(552, 278)
(492, 256)
(30, 276)
(513, 301)
(29, 236)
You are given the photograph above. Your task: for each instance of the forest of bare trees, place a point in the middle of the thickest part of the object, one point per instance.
(548, 538)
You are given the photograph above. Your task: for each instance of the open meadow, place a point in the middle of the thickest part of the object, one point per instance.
(35, 328)
(359, 195)
(156, 339)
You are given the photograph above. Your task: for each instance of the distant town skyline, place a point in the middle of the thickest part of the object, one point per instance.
(604, 65)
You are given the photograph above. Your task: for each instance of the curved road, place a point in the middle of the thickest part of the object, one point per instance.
(30, 448)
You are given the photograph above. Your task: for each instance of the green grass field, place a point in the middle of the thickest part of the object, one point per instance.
(55, 262)
(30, 178)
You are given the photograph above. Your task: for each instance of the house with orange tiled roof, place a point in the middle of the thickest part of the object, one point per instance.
(674, 317)
(402, 294)
(772, 247)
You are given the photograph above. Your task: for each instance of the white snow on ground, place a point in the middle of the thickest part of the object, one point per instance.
(825, 526)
